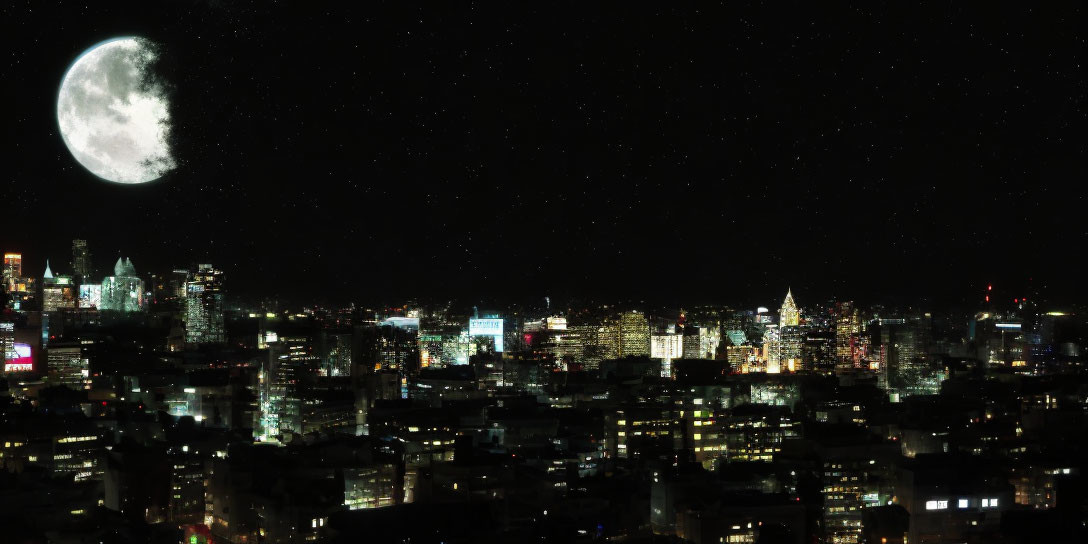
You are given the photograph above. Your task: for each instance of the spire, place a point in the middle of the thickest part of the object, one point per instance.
(788, 301)
(788, 314)
(119, 268)
(48, 273)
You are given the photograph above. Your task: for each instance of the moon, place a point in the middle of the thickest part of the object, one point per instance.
(114, 120)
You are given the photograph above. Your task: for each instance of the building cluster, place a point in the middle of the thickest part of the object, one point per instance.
(145, 408)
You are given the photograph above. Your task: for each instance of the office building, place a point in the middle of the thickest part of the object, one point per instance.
(204, 306)
(123, 291)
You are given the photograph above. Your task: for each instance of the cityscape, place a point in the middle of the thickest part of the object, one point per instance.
(146, 406)
(297, 272)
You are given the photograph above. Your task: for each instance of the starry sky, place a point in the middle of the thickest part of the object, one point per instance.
(381, 151)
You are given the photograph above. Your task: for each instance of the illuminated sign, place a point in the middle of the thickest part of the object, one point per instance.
(1011, 326)
(485, 327)
(22, 361)
(401, 322)
(90, 296)
(557, 323)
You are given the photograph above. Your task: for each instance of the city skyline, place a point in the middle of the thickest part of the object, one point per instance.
(979, 291)
(295, 272)
(575, 151)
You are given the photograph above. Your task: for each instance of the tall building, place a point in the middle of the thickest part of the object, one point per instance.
(791, 339)
(847, 329)
(13, 271)
(58, 291)
(81, 261)
(789, 315)
(335, 352)
(701, 342)
(7, 342)
(67, 364)
(667, 346)
(123, 291)
(204, 306)
(284, 378)
(772, 349)
(629, 334)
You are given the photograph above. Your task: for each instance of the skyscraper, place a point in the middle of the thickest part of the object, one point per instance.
(204, 306)
(629, 334)
(788, 314)
(81, 261)
(847, 329)
(123, 291)
(13, 270)
(58, 291)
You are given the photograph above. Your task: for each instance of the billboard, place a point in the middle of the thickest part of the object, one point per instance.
(401, 322)
(90, 296)
(485, 327)
(22, 361)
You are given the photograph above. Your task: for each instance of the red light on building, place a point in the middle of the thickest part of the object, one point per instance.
(989, 287)
(987, 298)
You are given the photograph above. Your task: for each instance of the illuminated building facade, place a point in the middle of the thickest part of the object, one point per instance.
(7, 342)
(204, 306)
(488, 327)
(90, 295)
(370, 487)
(847, 331)
(790, 341)
(58, 291)
(336, 353)
(667, 346)
(67, 365)
(123, 291)
(756, 432)
(290, 366)
(772, 349)
(789, 315)
(627, 334)
(701, 342)
(13, 272)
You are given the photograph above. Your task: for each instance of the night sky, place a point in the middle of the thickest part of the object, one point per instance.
(378, 152)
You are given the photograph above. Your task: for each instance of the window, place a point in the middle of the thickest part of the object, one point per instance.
(962, 503)
(936, 505)
(989, 503)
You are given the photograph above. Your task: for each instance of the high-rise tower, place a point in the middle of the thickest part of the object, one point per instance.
(123, 291)
(13, 270)
(81, 261)
(204, 306)
(788, 314)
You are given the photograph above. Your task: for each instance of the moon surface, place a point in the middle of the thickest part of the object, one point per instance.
(112, 118)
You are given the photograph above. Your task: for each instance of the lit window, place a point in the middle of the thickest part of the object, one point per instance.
(936, 505)
(962, 503)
